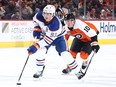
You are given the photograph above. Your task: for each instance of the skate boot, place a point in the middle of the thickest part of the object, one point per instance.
(38, 73)
(80, 75)
(84, 64)
(66, 71)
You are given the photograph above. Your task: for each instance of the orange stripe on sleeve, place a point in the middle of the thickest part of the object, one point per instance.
(37, 29)
(36, 45)
(48, 40)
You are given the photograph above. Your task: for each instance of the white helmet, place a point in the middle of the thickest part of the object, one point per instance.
(49, 9)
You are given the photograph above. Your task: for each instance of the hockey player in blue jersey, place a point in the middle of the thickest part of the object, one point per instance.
(49, 27)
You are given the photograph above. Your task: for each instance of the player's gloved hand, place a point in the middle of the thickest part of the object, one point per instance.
(95, 47)
(32, 49)
(37, 36)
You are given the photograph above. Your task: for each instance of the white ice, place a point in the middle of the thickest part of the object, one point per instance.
(101, 73)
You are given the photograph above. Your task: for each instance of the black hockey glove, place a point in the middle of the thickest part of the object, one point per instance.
(95, 48)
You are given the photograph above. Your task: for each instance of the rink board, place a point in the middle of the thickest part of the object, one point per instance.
(19, 33)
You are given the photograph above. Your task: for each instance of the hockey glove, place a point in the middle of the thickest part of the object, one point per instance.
(32, 49)
(38, 35)
(96, 48)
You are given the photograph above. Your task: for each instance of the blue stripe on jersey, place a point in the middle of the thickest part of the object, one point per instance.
(40, 17)
(49, 38)
(61, 33)
(54, 24)
(46, 41)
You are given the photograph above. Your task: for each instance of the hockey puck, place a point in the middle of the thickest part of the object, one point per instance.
(18, 83)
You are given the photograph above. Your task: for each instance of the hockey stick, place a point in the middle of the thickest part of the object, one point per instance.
(83, 73)
(18, 83)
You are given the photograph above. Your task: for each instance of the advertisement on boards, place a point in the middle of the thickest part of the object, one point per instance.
(16, 31)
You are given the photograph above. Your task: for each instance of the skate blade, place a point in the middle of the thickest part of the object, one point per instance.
(37, 79)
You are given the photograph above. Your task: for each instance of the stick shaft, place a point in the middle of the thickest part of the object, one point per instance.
(89, 62)
(23, 68)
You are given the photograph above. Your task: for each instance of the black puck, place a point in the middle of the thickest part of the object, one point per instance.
(18, 83)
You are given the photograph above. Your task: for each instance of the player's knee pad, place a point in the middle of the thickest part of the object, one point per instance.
(84, 55)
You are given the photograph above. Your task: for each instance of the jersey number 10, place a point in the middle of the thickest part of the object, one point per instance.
(87, 28)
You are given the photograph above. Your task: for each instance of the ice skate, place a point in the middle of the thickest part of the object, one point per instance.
(84, 64)
(66, 71)
(80, 75)
(38, 73)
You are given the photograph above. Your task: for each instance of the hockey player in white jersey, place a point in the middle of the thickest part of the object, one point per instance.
(48, 26)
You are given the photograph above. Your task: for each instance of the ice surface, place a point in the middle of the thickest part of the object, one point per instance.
(101, 73)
